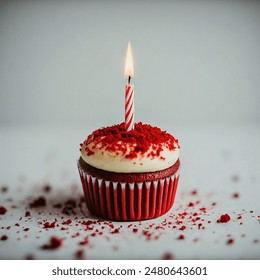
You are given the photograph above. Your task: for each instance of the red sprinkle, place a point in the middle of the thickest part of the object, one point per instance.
(79, 255)
(47, 188)
(49, 225)
(194, 192)
(3, 210)
(27, 214)
(116, 231)
(85, 241)
(235, 195)
(168, 256)
(4, 237)
(53, 244)
(4, 189)
(230, 241)
(39, 202)
(181, 237)
(67, 222)
(224, 218)
(199, 225)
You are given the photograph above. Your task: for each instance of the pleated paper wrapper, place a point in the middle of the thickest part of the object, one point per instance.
(134, 201)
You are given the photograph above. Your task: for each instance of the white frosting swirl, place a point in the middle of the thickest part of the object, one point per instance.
(115, 161)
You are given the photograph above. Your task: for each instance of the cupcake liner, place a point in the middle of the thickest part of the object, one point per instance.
(135, 201)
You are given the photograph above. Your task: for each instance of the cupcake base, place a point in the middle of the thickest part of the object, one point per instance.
(128, 201)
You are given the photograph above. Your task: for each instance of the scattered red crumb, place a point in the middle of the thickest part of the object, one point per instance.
(50, 225)
(223, 218)
(47, 188)
(27, 214)
(63, 228)
(71, 202)
(29, 257)
(26, 229)
(181, 237)
(67, 222)
(53, 244)
(85, 241)
(135, 230)
(3, 210)
(4, 237)
(159, 227)
(191, 204)
(182, 227)
(80, 254)
(115, 139)
(17, 225)
(116, 231)
(214, 203)
(194, 192)
(4, 189)
(230, 241)
(168, 256)
(70, 206)
(38, 202)
(235, 195)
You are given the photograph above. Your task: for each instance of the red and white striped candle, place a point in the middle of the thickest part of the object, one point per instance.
(129, 90)
(129, 107)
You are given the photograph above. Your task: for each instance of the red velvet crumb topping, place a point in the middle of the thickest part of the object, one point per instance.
(116, 139)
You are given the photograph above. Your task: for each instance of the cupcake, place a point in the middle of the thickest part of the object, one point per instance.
(129, 175)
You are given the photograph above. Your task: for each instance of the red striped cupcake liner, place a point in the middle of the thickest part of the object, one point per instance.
(129, 201)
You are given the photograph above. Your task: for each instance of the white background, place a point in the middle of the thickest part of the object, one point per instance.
(195, 61)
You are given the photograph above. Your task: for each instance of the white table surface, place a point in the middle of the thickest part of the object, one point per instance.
(217, 162)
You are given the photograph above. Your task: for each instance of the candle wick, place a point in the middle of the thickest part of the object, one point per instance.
(129, 78)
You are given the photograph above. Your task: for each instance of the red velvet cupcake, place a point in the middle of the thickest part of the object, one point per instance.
(129, 175)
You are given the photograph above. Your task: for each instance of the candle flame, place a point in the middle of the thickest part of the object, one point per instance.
(129, 65)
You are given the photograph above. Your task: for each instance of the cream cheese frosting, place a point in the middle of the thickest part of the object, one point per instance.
(147, 149)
